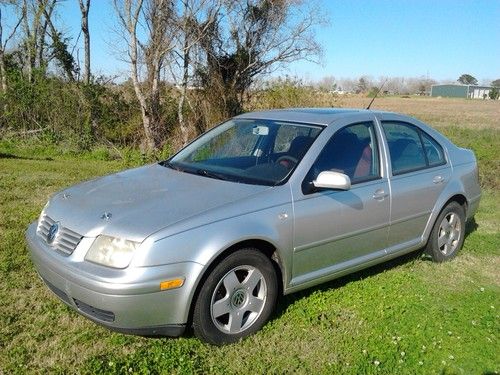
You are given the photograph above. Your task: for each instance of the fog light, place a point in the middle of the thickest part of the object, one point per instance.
(171, 284)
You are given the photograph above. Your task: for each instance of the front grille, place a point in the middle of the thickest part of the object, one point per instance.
(65, 239)
(105, 316)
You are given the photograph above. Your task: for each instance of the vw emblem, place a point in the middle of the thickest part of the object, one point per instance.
(238, 298)
(54, 228)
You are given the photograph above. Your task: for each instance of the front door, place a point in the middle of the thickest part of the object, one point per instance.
(335, 230)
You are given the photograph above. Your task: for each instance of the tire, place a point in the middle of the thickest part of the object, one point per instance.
(237, 298)
(448, 233)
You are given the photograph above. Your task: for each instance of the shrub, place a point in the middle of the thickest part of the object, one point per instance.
(494, 93)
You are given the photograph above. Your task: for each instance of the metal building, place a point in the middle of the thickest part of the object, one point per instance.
(461, 91)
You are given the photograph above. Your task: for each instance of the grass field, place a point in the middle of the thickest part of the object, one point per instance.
(409, 316)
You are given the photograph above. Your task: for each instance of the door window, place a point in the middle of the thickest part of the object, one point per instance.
(410, 148)
(353, 151)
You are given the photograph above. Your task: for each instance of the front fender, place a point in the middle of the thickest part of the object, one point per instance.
(205, 243)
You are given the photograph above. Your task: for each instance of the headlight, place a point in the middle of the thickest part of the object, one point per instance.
(111, 251)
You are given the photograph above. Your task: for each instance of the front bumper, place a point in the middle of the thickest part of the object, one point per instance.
(128, 300)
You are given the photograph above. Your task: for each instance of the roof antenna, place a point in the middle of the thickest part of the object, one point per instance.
(374, 96)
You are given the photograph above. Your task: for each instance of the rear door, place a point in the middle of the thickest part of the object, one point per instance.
(419, 172)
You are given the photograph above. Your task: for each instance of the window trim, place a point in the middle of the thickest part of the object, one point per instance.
(419, 131)
(306, 190)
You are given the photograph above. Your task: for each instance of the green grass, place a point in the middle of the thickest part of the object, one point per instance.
(409, 316)
(486, 145)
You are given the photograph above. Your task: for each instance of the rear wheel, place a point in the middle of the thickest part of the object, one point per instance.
(237, 298)
(447, 236)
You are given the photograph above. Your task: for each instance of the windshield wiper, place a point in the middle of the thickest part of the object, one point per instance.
(204, 172)
(168, 164)
(201, 172)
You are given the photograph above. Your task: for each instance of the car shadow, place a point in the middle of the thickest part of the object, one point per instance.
(285, 301)
(470, 227)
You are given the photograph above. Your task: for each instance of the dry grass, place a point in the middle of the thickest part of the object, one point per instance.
(436, 111)
(470, 273)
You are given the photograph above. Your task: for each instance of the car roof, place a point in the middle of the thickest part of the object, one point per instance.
(326, 116)
(320, 116)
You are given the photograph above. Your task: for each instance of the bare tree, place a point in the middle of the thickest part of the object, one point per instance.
(32, 17)
(59, 47)
(84, 9)
(47, 7)
(250, 38)
(348, 85)
(36, 25)
(186, 52)
(421, 85)
(193, 23)
(327, 83)
(29, 29)
(154, 18)
(4, 44)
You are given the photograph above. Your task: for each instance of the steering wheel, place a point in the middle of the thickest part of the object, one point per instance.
(287, 161)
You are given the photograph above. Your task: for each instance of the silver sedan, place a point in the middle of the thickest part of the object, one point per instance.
(265, 204)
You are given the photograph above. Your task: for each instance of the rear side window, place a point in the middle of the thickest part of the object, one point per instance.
(433, 150)
(410, 148)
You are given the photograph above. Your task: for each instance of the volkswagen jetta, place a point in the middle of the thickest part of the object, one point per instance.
(267, 203)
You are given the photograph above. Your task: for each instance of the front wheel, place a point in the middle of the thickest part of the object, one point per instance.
(237, 298)
(447, 236)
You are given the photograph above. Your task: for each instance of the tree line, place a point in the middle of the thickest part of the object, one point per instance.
(191, 62)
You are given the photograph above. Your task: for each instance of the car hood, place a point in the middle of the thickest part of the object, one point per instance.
(138, 202)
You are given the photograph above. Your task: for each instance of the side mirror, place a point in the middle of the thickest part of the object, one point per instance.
(332, 180)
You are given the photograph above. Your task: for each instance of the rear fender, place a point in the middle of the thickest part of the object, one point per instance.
(454, 187)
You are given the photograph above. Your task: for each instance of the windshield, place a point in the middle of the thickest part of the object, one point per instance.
(250, 151)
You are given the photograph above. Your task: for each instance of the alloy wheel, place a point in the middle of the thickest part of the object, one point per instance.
(238, 299)
(449, 233)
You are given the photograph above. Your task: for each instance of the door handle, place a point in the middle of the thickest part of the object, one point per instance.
(380, 195)
(438, 179)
